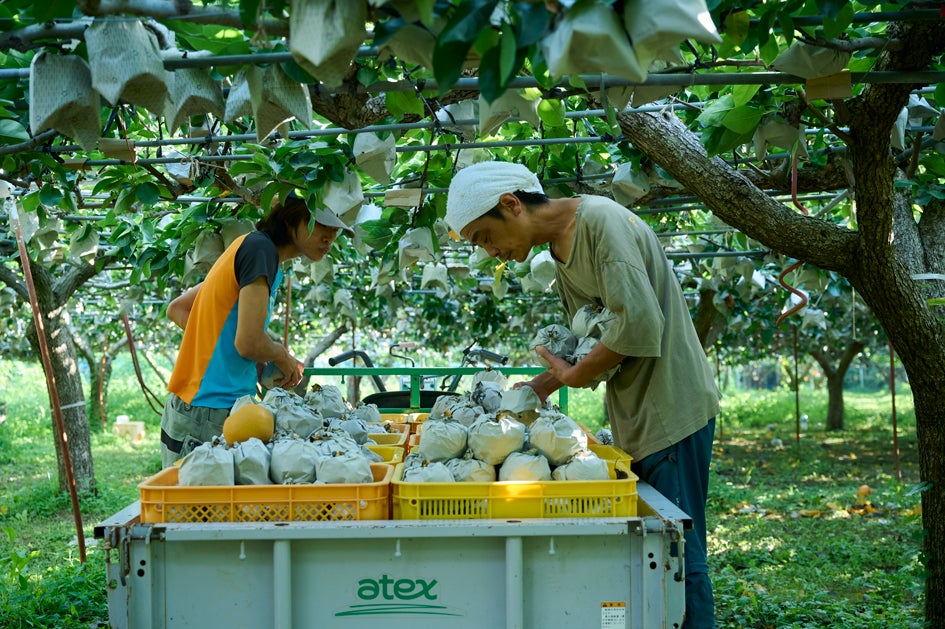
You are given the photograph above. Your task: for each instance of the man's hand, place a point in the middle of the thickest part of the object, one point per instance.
(563, 371)
(291, 369)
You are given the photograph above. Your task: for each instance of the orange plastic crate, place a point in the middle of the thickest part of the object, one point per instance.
(163, 500)
(521, 499)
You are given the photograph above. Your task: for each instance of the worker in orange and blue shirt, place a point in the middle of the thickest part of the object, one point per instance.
(224, 319)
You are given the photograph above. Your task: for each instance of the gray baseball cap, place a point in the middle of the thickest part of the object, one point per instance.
(328, 218)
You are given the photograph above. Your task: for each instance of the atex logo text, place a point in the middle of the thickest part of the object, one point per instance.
(387, 588)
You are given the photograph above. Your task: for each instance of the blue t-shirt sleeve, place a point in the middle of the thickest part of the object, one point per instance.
(257, 256)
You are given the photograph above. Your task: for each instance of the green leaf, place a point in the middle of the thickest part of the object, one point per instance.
(507, 53)
(769, 51)
(249, 9)
(30, 202)
(50, 196)
(468, 21)
(301, 159)
(51, 9)
(490, 81)
(400, 103)
(736, 26)
(425, 8)
(533, 18)
(743, 119)
(715, 112)
(148, 193)
(12, 132)
(744, 93)
(376, 235)
(940, 94)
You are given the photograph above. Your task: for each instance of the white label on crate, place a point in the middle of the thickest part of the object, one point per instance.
(613, 615)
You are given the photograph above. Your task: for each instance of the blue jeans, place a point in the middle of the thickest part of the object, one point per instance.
(681, 474)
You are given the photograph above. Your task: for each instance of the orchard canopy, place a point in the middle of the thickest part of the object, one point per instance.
(790, 154)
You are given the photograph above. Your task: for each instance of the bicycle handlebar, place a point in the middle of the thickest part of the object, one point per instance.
(492, 356)
(352, 353)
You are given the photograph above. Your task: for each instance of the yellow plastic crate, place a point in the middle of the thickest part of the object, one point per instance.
(389, 438)
(163, 500)
(393, 417)
(519, 499)
(392, 454)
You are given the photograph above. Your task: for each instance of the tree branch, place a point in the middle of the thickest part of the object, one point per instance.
(76, 275)
(733, 197)
(30, 144)
(25, 38)
(181, 10)
(15, 282)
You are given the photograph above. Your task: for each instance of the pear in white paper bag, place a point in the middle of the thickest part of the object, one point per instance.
(493, 438)
(434, 277)
(897, 136)
(591, 39)
(542, 268)
(512, 104)
(62, 98)
(210, 463)
(126, 63)
(470, 470)
(938, 132)
(193, 92)
(583, 466)
(292, 461)
(375, 156)
(775, 131)
(276, 99)
(325, 36)
(809, 61)
(454, 118)
(239, 101)
(251, 462)
(411, 43)
(415, 246)
(656, 26)
(442, 439)
(348, 468)
(344, 196)
(628, 185)
(557, 339)
(183, 171)
(919, 109)
(525, 466)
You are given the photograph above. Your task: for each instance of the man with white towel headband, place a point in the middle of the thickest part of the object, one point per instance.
(662, 400)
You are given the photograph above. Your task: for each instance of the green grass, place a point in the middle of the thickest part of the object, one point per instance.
(789, 544)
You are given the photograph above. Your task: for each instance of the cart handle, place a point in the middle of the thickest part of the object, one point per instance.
(356, 353)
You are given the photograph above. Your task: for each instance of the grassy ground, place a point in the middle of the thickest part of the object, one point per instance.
(791, 544)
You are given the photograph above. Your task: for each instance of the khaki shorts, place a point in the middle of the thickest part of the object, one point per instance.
(184, 427)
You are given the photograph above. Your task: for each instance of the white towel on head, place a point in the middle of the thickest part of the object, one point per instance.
(476, 189)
